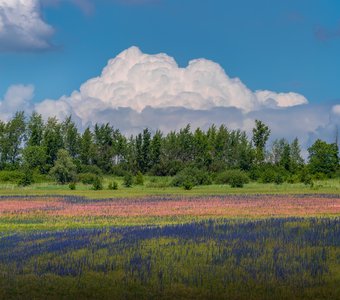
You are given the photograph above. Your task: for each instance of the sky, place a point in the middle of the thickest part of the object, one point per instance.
(222, 61)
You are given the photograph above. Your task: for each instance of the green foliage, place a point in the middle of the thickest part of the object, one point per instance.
(261, 133)
(113, 185)
(278, 179)
(159, 182)
(128, 180)
(97, 184)
(139, 180)
(64, 170)
(11, 176)
(191, 176)
(72, 186)
(27, 178)
(93, 169)
(104, 150)
(236, 178)
(87, 178)
(188, 185)
(34, 157)
(323, 158)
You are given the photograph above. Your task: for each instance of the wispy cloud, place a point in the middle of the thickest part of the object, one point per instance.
(325, 34)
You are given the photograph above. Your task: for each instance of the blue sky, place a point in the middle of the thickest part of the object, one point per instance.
(274, 60)
(280, 45)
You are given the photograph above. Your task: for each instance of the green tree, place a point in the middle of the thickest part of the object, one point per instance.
(261, 134)
(86, 147)
(71, 137)
(52, 139)
(296, 159)
(156, 148)
(12, 136)
(64, 170)
(35, 130)
(323, 158)
(103, 142)
(34, 157)
(146, 151)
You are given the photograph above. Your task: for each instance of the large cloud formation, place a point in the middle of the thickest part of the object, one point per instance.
(137, 90)
(136, 80)
(22, 27)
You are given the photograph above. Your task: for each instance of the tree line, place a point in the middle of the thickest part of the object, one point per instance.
(30, 144)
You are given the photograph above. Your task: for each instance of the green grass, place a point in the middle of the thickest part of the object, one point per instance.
(160, 186)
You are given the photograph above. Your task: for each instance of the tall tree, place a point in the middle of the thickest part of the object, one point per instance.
(296, 159)
(146, 151)
(13, 136)
(35, 130)
(52, 139)
(71, 137)
(156, 148)
(261, 134)
(86, 150)
(103, 141)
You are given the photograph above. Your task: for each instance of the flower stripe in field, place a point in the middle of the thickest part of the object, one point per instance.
(228, 206)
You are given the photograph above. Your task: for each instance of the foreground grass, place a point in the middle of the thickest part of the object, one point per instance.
(159, 186)
(291, 258)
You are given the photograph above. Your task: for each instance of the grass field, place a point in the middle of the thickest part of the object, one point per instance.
(159, 242)
(160, 186)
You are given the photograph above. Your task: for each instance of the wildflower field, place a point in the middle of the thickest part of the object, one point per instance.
(170, 247)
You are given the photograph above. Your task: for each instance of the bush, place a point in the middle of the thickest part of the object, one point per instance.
(97, 184)
(278, 178)
(72, 186)
(11, 176)
(128, 180)
(192, 175)
(113, 185)
(293, 179)
(139, 180)
(158, 182)
(268, 176)
(87, 178)
(236, 178)
(92, 169)
(188, 185)
(26, 179)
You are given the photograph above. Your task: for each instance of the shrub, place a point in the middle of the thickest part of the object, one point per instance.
(278, 178)
(139, 180)
(72, 186)
(192, 175)
(27, 178)
(188, 185)
(158, 182)
(293, 179)
(87, 178)
(11, 176)
(236, 178)
(97, 184)
(113, 185)
(268, 176)
(91, 169)
(128, 180)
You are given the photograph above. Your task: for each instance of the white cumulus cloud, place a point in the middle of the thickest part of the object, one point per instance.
(137, 90)
(22, 27)
(136, 80)
(17, 98)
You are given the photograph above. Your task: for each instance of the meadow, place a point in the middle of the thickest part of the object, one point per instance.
(153, 242)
